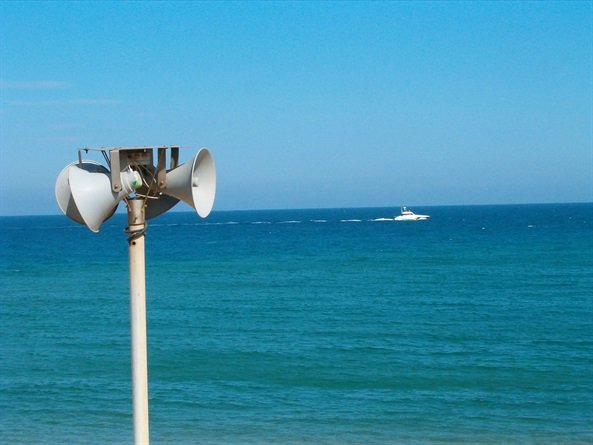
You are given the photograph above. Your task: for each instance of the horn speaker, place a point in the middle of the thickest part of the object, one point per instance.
(64, 194)
(155, 207)
(92, 194)
(194, 183)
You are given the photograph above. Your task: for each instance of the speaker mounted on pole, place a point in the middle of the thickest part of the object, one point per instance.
(89, 192)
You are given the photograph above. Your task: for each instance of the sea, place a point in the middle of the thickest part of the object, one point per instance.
(323, 326)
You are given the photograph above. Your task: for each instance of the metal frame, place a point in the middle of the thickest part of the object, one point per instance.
(118, 158)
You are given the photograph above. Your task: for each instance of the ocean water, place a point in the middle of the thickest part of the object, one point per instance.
(305, 327)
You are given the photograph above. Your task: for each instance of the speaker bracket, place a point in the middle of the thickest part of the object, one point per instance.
(161, 169)
(121, 158)
(115, 170)
(174, 157)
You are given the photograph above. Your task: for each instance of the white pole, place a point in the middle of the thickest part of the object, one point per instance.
(136, 227)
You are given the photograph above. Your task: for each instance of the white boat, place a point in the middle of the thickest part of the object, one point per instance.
(408, 215)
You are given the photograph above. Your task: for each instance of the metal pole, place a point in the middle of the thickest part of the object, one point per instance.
(136, 228)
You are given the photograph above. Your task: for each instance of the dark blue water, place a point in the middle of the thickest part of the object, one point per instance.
(305, 327)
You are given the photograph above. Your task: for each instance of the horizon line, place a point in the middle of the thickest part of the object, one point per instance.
(333, 208)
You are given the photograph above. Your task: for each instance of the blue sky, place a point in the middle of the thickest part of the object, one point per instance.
(304, 105)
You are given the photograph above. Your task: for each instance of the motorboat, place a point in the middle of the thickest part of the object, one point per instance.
(408, 215)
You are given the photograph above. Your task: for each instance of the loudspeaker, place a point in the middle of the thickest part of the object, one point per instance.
(93, 196)
(64, 194)
(154, 207)
(194, 183)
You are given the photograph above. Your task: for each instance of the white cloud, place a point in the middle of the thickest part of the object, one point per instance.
(64, 102)
(60, 139)
(33, 84)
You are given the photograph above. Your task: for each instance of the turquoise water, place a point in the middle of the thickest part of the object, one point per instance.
(305, 327)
